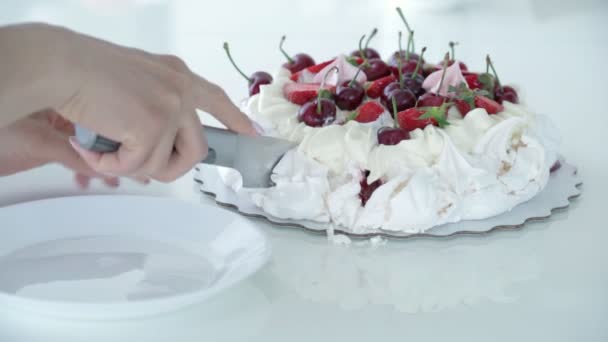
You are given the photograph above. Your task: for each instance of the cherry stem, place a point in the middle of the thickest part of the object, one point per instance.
(409, 29)
(394, 102)
(410, 45)
(452, 45)
(227, 49)
(354, 80)
(322, 87)
(446, 61)
(371, 36)
(419, 63)
(400, 72)
(361, 49)
(400, 47)
(491, 66)
(289, 59)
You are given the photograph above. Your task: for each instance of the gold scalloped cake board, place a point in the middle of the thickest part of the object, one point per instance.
(564, 185)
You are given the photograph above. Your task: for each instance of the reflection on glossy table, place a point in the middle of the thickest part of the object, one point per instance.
(547, 282)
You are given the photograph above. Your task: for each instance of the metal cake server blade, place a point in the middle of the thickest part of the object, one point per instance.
(253, 157)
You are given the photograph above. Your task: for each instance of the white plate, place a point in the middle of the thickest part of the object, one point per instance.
(116, 257)
(564, 184)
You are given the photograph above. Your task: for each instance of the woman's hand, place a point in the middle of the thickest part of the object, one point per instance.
(40, 139)
(146, 102)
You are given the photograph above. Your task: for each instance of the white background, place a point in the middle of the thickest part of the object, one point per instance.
(548, 282)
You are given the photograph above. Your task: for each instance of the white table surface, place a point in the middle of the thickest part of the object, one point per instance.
(548, 282)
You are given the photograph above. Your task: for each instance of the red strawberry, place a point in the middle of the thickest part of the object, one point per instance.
(369, 112)
(473, 81)
(491, 106)
(313, 69)
(409, 119)
(431, 100)
(463, 106)
(300, 93)
(316, 68)
(375, 88)
(420, 117)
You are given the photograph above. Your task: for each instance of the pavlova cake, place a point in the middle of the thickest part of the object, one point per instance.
(398, 145)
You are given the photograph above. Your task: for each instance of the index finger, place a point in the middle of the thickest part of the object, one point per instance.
(212, 99)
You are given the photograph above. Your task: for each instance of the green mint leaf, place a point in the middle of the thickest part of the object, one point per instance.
(483, 92)
(488, 82)
(426, 115)
(442, 122)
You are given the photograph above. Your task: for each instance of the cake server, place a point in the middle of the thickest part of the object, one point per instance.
(253, 157)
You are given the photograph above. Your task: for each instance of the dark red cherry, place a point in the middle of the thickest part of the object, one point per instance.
(376, 69)
(404, 98)
(298, 62)
(317, 114)
(255, 80)
(431, 100)
(392, 136)
(393, 61)
(258, 79)
(507, 93)
(364, 50)
(408, 66)
(501, 93)
(413, 83)
(389, 89)
(349, 95)
(368, 53)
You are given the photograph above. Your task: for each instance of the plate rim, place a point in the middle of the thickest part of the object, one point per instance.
(180, 300)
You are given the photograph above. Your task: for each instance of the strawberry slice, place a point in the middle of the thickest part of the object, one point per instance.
(370, 111)
(473, 81)
(316, 68)
(462, 106)
(491, 106)
(313, 69)
(375, 88)
(300, 93)
(420, 117)
(409, 119)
